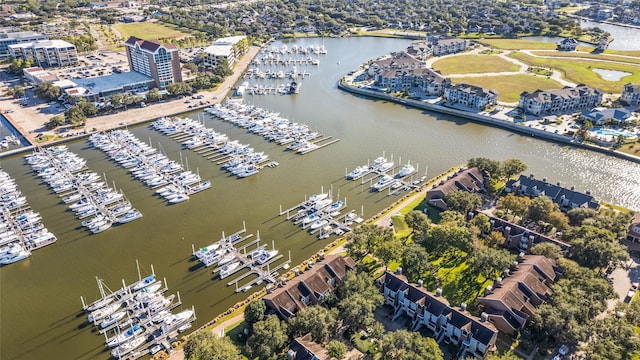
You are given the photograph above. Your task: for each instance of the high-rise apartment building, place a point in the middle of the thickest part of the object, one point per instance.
(151, 58)
(46, 53)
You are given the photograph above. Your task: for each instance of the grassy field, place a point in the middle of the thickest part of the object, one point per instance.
(623, 52)
(579, 71)
(587, 55)
(146, 30)
(510, 87)
(517, 44)
(632, 149)
(468, 64)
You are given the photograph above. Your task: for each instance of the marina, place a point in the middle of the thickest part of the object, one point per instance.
(138, 317)
(82, 190)
(296, 137)
(35, 324)
(234, 157)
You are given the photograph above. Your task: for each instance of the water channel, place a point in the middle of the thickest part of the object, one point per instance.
(40, 297)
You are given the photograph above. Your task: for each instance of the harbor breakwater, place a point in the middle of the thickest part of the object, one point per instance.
(486, 120)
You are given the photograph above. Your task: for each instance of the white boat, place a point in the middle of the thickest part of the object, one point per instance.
(311, 218)
(129, 216)
(383, 183)
(102, 227)
(318, 223)
(103, 312)
(228, 269)
(257, 252)
(99, 304)
(112, 319)
(125, 336)
(128, 347)
(322, 204)
(200, 253)
(358, 172)
(179, 198)
(184, 327)
(226, 258)
(145, 293)
(377, 163)
(144, 283)
(266, 256)
(12, 258)
(386, 166)
(406, 171)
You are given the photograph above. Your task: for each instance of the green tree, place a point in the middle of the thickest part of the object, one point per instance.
(356, 311)
(415, 262)
(75, 116)
(407, 345)
(596, 248)
(481, 221)
(18, 91)
(268, 339)
(55, 121)
(512, 167)
(389, 250)
(463, 201)
(418, 222)
(179, 88)
(153, 95)
(489, 262)
(205, 345)
(364, 239)
(317, 320)
(612, 338)
(578, 215)
(494, 240)
(356, 282)
(615, 221)
(448, 235)
(516, 205)
(540, 208)
(47, 91)
(559, 220)
(491, 167)
(509, 355)
(547, 249)
(336, 349)
(254, 312)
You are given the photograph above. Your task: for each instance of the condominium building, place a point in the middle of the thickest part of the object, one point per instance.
(563, 100)
(223, 48)
(471, 96)
(46, 53)
(151, 58)
(10, 38)
(630, 94)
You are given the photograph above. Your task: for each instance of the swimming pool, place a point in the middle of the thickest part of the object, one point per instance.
(612, 134)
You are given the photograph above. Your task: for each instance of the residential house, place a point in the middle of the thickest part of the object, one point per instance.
(471, 180)
(630, 94)
(473, 336)
(567, 44)
(303, 348)
(600, 116)
(513, 299)
(308, 288)
(634, 229)
(566, 199)
(567, 99)
(471, 96)
(394, 61)
(519, 237)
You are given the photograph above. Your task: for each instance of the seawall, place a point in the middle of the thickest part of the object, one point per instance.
(486, 120)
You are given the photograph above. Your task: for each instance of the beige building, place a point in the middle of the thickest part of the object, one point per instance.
(151, 58)
(46, 53)
(223, 48)
(567, 99)
(471, 96)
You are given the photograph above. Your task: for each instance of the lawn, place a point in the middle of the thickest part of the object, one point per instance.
(146, 30)
(633, 149)
(468, 64)
(587, 55)
(510, 87)
(579, 71)
(458, 283)
(517, 44)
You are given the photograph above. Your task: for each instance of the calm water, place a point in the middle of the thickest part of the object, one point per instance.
(40, 297)
(624, 38)
(611, 75)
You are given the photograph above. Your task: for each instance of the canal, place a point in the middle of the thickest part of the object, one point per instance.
(40, 297)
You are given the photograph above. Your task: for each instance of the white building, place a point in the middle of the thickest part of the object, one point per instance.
(471, 96)
(46, 53)
(562, 100)
(10, 38)
(223, 48)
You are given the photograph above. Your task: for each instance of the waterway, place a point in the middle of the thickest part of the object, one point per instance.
(40, 297)
(624, 38)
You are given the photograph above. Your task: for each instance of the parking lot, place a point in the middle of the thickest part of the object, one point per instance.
(98, 63)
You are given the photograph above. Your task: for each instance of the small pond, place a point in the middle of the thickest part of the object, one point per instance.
(611, 75)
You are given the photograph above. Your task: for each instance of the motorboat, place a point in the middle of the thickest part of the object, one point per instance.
(179, 317)
(229, 269)
(15, 257)
(266, 256)
(200, 253)
(378, 162)
(406, 171)
(383, 183)
(311, 218)
(225, 259)
(131, 215)
(257, 252)
(318, 223)
(146, 292)
(128, 346)
(102, 227)
(357, 173)
(386, 166)
(179, 198)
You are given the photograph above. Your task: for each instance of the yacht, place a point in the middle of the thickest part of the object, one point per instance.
(15, 257)
(112, 319)
(386, 166)
(179, 317)
(266, 256)
(143, 283)
(129, 216)
(125, 336)
(228, 269)
(203, 251)
(406, 171)
(103, 312)
(318, 223)
(383, 183)
(226, 258)
(128, 346)
(357, 173)
(179, 198)
(377, 163)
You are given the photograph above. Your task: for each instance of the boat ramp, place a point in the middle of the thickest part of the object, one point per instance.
(137, 319)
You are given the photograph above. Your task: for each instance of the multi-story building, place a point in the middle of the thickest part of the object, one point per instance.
(566, 199)
(439, 45)
(471, 96)
(223, 48)
(46, 53)
(556, 101)
(474, 337)
(151, 58)
(11, 38)
(470, 180)
(394, 61)
(427, 80)
(568, 44)
(630, 94)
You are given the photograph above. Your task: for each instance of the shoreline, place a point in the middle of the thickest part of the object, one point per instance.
(485, 120)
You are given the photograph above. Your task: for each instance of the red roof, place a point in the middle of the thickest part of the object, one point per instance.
(148, 45)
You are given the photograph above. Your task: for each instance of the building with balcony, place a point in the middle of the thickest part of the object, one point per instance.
(10, 38)
(630, 94)
(151, 58)
(470, 180)
(46, 53)
(567, 99)
(223, 48)
(470, 96)
(566, 199)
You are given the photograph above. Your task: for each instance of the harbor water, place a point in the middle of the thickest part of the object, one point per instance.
(40, 297)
